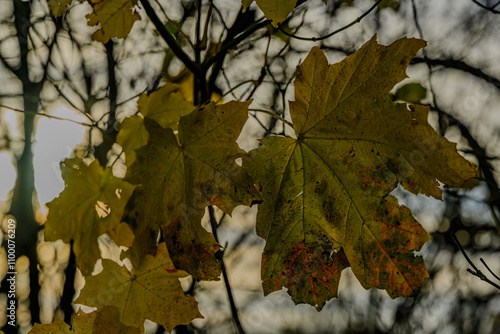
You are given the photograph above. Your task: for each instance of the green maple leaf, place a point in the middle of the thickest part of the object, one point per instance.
(325, 193)
(152, 292)
(181, 175)
(116, 18)
(88, 323)
(90, 205)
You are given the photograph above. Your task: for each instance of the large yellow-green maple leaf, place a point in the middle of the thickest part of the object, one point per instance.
(181, 175)
(90, 205)
(325, 193)
(152, 292)
(115, 17)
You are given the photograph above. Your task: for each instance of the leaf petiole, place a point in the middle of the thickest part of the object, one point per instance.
(270, 113)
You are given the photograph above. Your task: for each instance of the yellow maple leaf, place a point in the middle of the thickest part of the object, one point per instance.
(274, 10)
(90, 205)
(58, 7)
(152, 292)
(325, 192)
(115, 17)
(181, 175)
(57, 326)
(88, 323)
(165, 105)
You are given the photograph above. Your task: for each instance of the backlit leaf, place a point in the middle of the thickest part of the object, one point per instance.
(151, 292)
(131, 136)
(88, 323)
(412, 92)
(246, 4)
(90, 205)
(122, 235)
(115, 17)
(107, 317)
(325, 193)
(58, 7)
(165, 105)
(182, 175)
(274, 10)
(57, 326)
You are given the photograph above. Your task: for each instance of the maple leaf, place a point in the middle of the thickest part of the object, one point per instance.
(165, 105)
(122, 235)
(58, 7)
(180, 177)
(274, 10)
(132, 136)
(88, 323)
(57, 326)
(325, 193)
(152, 292)
(116, 18)
(90, 205)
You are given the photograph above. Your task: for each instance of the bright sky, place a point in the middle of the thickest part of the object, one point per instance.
(54, 141)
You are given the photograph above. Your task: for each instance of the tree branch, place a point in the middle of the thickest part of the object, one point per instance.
(233, 40)
(170, 40)
(234, 310)
(490, 9)
(475, 271)
(484, 164)
(314, 39)
(459, 65)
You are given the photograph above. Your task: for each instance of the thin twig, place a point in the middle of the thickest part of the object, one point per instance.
(490, 9)
(261, 23)
(220, 17)
(491, 272)
(252, 81)
(314, 39)
(131, 98)
(475, 271)
(176, 25)
(46, 115)
(234, 310)
(169, 39)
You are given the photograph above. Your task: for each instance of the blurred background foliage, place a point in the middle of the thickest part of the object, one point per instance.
(51, 72)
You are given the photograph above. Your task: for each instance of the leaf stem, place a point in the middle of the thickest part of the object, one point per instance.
(234, 310)
(314, 39)
(270, 113)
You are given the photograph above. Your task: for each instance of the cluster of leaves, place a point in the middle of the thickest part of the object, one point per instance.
(323, 192)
